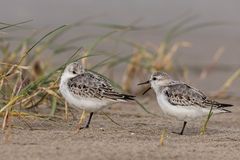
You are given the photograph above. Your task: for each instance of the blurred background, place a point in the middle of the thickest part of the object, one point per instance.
(196, 41)
(210, 29)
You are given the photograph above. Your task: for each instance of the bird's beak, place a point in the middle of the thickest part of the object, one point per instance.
(147, 82)
(146, 90)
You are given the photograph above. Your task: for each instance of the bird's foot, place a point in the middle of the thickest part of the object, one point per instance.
(178, 133)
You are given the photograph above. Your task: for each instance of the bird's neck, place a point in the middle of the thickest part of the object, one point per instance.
(159, 89)
(65, 77)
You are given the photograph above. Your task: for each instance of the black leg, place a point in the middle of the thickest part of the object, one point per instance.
(89, 120)
(184, 125)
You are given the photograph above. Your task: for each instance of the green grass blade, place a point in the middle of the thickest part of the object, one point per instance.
(46, 35)
(102, 63)
(204, 127)
(100, 39)
(198, 26)
(16, 24)
(53, 106)
(145, 109)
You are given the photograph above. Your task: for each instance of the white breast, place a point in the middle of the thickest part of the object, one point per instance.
(183, 113)
(88, 104)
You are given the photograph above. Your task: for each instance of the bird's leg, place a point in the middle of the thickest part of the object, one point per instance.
(181, 133)
(184, 125)
(83, 116)
(89, 120)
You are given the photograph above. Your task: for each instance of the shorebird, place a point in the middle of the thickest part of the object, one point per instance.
(180, 100)
(88, 90)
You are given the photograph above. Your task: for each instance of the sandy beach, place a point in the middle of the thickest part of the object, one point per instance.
(138, 137)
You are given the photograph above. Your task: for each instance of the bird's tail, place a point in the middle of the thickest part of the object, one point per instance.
(118, 96)
(128, 97)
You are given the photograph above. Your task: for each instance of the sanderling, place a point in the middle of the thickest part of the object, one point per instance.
(180, 100)
(87, 90)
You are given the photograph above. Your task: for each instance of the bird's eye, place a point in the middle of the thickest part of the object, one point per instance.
(154, 78)
(74, 72)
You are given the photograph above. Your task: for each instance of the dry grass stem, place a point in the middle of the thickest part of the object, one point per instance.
(66, 111)
(131, 70)
(223, 90)
(214, 62)
(162, 137)
(81, 120)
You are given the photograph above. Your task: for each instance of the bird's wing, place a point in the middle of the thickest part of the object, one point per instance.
(91, 85)
(182, 94)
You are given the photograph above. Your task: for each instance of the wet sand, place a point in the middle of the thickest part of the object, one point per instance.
(137, 138)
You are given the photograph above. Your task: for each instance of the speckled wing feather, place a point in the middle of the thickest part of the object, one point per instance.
(185, 95)
(91, 85)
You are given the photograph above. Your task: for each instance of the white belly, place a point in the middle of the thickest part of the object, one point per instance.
(88, 104)
(183, 113)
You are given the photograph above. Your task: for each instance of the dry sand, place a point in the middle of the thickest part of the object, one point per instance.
(138, 138)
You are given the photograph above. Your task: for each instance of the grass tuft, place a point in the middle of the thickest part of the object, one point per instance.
(26, 82)
(204, 127)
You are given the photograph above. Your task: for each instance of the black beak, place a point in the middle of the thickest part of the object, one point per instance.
(146, 90)
(147, 82)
